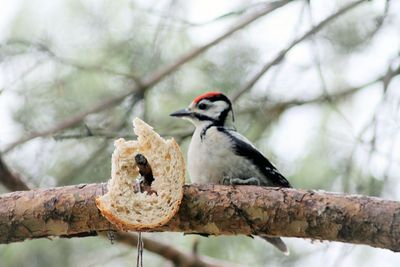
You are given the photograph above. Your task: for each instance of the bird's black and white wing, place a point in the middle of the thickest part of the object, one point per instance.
(243, 147)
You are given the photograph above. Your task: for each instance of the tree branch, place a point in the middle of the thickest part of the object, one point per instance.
(41, 47)
(342, 94)
(212, 209)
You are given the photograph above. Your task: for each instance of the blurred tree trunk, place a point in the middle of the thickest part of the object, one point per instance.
(212, 209)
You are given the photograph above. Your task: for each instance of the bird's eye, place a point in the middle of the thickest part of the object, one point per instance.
(202, 106)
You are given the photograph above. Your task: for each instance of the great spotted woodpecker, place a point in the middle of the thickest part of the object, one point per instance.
(218, 154)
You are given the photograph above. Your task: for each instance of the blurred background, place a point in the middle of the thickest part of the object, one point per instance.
(315, 86)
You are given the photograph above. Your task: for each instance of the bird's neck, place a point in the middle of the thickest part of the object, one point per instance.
(204, 126)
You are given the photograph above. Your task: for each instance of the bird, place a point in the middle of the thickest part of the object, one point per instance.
(218, 154)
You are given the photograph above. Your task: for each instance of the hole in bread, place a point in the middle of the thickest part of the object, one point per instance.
(160, 198)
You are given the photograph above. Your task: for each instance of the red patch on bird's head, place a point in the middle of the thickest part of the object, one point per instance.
(205, 96)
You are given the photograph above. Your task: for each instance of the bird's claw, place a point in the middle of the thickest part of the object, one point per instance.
(239, 181)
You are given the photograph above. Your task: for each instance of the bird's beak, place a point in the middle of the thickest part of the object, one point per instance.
(182, 113)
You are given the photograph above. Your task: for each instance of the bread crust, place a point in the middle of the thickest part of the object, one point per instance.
(103, 202)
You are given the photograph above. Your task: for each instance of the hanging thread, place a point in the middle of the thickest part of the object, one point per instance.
(140, 245)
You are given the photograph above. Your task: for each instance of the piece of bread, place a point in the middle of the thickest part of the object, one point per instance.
(139, 211)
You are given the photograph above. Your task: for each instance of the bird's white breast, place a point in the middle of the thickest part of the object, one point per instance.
(212, 159)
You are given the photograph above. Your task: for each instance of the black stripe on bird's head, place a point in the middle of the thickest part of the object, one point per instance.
(211, 106)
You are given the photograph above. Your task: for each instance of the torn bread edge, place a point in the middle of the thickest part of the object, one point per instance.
(139, 211)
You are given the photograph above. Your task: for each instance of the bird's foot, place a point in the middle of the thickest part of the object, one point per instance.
(240, 181)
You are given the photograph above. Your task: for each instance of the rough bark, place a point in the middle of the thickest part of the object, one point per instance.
(212, 209)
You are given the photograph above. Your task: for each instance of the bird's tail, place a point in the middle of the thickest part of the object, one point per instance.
(276, 242)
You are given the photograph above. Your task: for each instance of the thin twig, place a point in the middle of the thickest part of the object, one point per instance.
(339, 95)
(385, 79)
(94, 134)
(71, 62)
(24, 73)
(380, 20)
(295, 31)
(314, 48)
(183, 22)
(390, 74)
